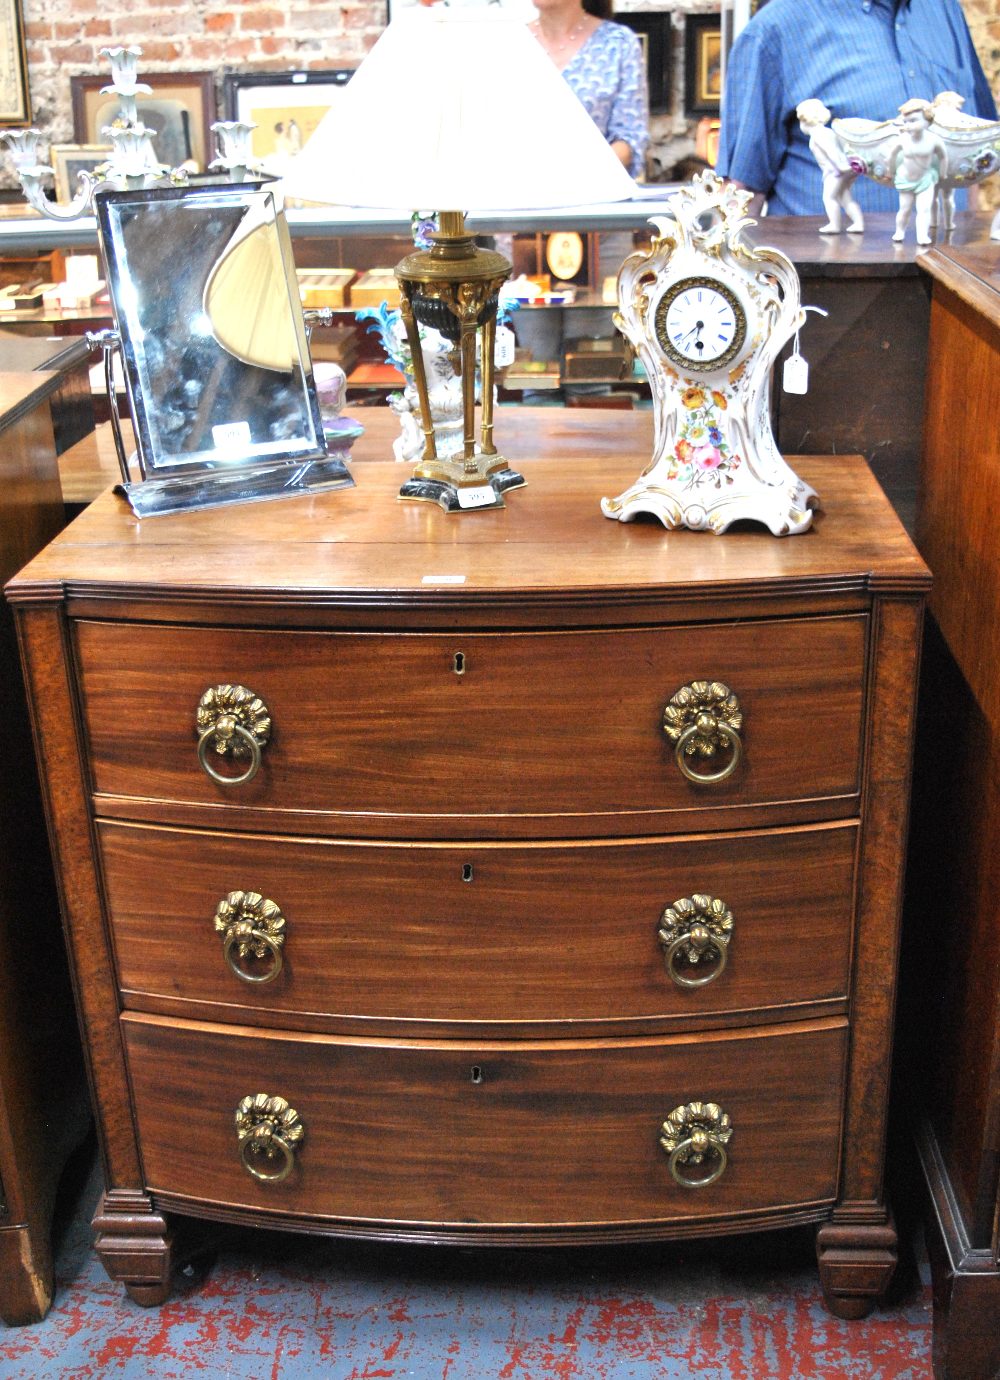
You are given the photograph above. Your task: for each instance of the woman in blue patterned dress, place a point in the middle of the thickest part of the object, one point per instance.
(602, 62)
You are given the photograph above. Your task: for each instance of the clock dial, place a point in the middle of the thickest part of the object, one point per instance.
(700, 324)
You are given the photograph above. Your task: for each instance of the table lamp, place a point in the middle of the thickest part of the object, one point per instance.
(457, 110)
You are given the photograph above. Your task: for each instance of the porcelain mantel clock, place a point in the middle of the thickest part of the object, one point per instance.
(708, 314)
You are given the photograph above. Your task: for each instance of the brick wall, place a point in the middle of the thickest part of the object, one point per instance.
(64, 37)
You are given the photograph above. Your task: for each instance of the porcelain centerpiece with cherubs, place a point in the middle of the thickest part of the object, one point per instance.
(927, 152)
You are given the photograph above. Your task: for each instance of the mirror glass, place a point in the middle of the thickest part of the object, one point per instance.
(206, 302)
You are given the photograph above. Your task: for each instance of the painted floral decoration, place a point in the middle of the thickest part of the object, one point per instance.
(702, 454)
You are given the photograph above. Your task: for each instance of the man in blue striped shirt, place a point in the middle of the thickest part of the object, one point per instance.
(859, 57)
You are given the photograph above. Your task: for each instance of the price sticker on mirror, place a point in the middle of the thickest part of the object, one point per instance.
(477, 496)
(231, 436)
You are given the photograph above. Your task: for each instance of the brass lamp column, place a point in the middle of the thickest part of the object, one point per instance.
(453, 287)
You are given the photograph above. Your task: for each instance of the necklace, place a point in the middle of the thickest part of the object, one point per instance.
(559, 45)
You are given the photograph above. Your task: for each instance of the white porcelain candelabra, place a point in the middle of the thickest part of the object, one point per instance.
(132, 161)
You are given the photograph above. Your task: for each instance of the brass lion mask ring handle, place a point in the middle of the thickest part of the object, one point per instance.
(232, 722)
(251, 928)
(695, 1136)
(268, 1132)
(701, 720)
(694, 934)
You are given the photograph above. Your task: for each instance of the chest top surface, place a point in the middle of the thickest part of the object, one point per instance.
(363, 545)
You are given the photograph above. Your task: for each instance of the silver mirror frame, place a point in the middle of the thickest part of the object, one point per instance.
(179, 479)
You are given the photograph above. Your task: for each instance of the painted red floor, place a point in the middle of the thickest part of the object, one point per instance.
(273, 1305)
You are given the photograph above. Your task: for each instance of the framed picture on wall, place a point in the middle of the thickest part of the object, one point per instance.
(654, 32)
(286, 107)
(180, 112)
(69, 160)
(703, 63)
(15, 106)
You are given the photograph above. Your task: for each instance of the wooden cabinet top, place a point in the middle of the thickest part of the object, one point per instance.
(971, 271)
(363, 547)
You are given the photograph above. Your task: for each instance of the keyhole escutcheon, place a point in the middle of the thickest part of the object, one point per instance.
(458, 663)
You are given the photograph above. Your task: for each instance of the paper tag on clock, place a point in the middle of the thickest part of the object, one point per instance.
(503, 347)
(478, 496)
(795, 376)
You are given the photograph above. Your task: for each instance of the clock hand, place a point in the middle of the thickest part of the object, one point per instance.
(696, 329)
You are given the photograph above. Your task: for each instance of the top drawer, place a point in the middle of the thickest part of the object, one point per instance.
(481, 725)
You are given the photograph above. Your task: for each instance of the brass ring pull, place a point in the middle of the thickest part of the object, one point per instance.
(688, 737)
(268, 1131)
(257, 937)
(683, 943)
(685, 1150)
(696, 931)
(700, 719)
(232, 721)
(251, 927)
(249, 741)
(696, 1134)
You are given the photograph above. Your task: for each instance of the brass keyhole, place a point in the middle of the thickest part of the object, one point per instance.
(477, 1074)
(459, 664)
(467, 872)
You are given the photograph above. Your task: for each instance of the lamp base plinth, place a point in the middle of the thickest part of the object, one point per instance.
(454, 498)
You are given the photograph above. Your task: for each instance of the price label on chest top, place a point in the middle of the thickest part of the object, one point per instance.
(479, 496)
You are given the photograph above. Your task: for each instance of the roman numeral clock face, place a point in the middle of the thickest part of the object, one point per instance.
(700, 324)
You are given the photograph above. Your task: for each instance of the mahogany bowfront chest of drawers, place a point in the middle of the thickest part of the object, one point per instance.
(511, 878)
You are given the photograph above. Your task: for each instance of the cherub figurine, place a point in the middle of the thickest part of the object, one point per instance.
(838, 174)
(917, 160)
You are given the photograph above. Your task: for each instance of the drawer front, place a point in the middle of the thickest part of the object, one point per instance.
(490, 1134)
(482, 932)
(520, 724)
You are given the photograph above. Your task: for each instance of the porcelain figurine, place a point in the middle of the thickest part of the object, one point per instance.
(331, 393)
(839, 175)
(917, 160)
(444, 386)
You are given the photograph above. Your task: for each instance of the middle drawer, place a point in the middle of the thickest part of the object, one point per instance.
(481, 933)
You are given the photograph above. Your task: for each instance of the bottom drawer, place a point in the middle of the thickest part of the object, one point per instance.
(489, 1134)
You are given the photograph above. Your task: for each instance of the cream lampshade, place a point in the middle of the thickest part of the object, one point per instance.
(457, 110)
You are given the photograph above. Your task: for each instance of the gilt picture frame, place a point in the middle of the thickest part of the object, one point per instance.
(286, 107)
(180, 112)
(15, 101)
(703, 64)
(69, 160)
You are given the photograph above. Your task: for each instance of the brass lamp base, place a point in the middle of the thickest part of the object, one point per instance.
(464, 498)
(454, 288)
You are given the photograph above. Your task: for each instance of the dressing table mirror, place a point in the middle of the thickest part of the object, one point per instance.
(214, 348)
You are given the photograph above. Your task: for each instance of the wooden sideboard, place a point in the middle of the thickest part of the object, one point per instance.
(517, 975)
(951, 1015)
(43, 1112)
(868, 355)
